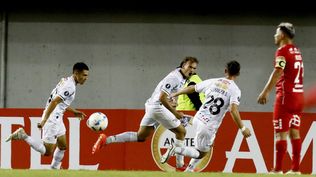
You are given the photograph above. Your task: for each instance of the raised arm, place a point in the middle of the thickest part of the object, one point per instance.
(77, 113)
(186, 90)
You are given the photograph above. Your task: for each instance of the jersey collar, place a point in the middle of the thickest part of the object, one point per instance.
(73, 79)
(183, 76)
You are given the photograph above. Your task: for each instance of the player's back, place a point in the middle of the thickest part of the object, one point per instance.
(219, 93)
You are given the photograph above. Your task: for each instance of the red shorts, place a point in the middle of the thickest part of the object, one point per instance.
(287, 112)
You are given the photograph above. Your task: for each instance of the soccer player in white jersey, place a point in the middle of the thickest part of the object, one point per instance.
(53, 128)
(159, 110)
(222, 94)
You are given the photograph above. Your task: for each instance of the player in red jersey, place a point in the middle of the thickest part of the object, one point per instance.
(287, 76)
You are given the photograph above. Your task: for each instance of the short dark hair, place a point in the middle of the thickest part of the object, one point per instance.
(80, 66)
(288, 29)
(189, 59)
(233, 68)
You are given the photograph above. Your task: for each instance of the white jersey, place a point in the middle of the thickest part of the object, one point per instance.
(220, 93)
(66, 90)
(170, 84)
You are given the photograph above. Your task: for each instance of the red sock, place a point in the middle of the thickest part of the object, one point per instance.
(296, 155)
(280, 146)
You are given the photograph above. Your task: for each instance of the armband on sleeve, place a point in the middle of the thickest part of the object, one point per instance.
(280, 62)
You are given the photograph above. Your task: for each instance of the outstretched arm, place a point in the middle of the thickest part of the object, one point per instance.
(195, 97)
(77, 113)
(186, 90)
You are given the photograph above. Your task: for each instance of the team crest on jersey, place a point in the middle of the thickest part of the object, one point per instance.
(66, 93)
(168, 86)
(163, 137)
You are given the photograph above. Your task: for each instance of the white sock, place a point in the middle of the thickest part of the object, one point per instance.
(187, 151)
(58, 156)
(123, 137)
(37, 145)
(179, 157)
(192, 165)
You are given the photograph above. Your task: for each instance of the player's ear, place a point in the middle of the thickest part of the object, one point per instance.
(282, 35)
(76, 72)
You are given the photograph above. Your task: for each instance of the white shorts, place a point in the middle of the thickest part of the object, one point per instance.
(51, 131)
(158, 114)
(204, 137)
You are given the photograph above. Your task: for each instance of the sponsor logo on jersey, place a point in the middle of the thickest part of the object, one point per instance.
(66, 93)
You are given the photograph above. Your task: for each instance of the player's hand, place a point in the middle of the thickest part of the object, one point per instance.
(173, 102)
(262, 98)
(179, 115)
(246, 133)
(173, 95)
(79, 114)
(41, 124)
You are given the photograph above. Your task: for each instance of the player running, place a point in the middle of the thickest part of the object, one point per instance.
(52, 125)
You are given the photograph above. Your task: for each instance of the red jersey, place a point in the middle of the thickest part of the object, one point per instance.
(289, 59)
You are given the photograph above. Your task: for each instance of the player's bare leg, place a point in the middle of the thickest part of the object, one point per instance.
(59, 152)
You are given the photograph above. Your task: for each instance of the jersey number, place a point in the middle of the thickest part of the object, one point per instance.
(215, 105)
(298, 86)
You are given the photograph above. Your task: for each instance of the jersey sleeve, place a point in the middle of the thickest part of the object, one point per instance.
(65, 92)
(235, 96)
(280, 60)
(169, 84)
(201, 87)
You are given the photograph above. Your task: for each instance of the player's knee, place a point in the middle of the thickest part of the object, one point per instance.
(182, 131)
(141, 138)
(48, 153)
(295, 136)
(202, 154)
(62, 145)
(63, 148)
(49, 149)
